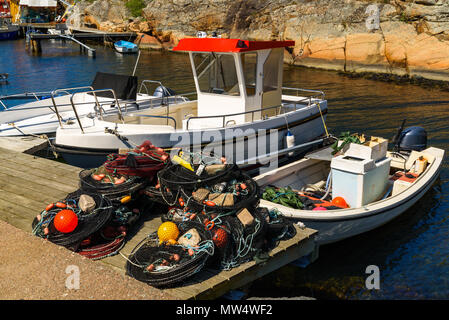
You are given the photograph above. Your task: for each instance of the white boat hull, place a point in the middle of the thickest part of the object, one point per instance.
(126, 50)
(89, 149)
(337, 225)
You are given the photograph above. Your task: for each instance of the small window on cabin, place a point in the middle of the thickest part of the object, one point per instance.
(271, 71)
(249, 64)
(216, 73)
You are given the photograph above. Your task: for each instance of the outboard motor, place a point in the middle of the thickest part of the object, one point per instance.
(412, 138)
(162, 92)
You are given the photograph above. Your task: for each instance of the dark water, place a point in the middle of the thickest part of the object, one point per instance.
(412, 252)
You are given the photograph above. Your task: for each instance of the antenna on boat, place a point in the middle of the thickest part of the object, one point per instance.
(137, 61)
(138, 55)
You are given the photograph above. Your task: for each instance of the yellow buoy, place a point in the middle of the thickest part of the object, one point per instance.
(182, 162)
(168, 231)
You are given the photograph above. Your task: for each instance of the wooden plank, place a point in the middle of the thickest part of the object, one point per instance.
(29, 189)
(16, 215)
(26, 203)
(37, 162)
(28, 144)
(38, 179)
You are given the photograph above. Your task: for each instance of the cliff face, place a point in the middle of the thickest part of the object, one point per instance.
(397, 37)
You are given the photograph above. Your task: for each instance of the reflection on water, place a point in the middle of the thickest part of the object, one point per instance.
(411, 251)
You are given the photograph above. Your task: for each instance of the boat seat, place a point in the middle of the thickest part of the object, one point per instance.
(398, 163)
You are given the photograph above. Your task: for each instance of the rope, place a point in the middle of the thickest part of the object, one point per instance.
(322, 119)
(43, 136)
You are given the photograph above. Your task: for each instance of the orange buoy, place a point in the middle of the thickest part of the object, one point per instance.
(65, 221)
(150, 267)
(340, 202)
(49, 207)
(60, 205)
(220, 238)
(209, 203)
(119, 181)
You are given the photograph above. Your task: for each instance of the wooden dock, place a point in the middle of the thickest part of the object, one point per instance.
(27, 144)
(28, 183)
(78, 34)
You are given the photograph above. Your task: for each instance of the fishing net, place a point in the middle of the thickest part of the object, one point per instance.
(110, 239)
(163, 265)
(144, 161)
(219, 188)
(248, 240)
(239, 236)
(100, 181)
(87, 222)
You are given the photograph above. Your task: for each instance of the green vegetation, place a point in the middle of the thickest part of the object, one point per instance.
(284, 196)
(346, 138)
(135, 7)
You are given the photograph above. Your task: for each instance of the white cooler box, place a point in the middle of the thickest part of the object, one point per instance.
(359, 181)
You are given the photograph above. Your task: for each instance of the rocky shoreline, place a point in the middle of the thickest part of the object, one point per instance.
(406, 40)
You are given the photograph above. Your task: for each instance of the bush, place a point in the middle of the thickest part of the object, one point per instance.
(135, 7)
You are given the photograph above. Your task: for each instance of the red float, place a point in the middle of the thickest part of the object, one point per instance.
(65, 221)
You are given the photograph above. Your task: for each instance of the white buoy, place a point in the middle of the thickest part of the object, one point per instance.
(290, 139)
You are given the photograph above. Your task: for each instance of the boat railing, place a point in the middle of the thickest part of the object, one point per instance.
(99, 107)
(278, 108)
(315, 94)
(38, 96)
(167, 98)
(154, 116)
(67, 92)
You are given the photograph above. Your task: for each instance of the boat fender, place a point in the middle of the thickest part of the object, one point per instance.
(290, 140)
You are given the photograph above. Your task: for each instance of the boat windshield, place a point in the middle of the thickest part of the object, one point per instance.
(216, 73)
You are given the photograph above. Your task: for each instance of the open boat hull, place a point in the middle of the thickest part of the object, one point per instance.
(336, 225)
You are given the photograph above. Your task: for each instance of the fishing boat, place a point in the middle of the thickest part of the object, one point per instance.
(126, 47)
(8, 31)
(347, 194)
(242, 111)
(107, 94)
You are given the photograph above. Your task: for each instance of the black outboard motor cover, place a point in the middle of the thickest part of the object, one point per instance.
(413, 138)
(162, 91)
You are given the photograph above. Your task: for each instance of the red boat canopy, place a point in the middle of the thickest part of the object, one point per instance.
(227, 45)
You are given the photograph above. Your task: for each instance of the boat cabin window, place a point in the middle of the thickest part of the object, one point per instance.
(216, 73)
(249, 64)
(271, 71)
